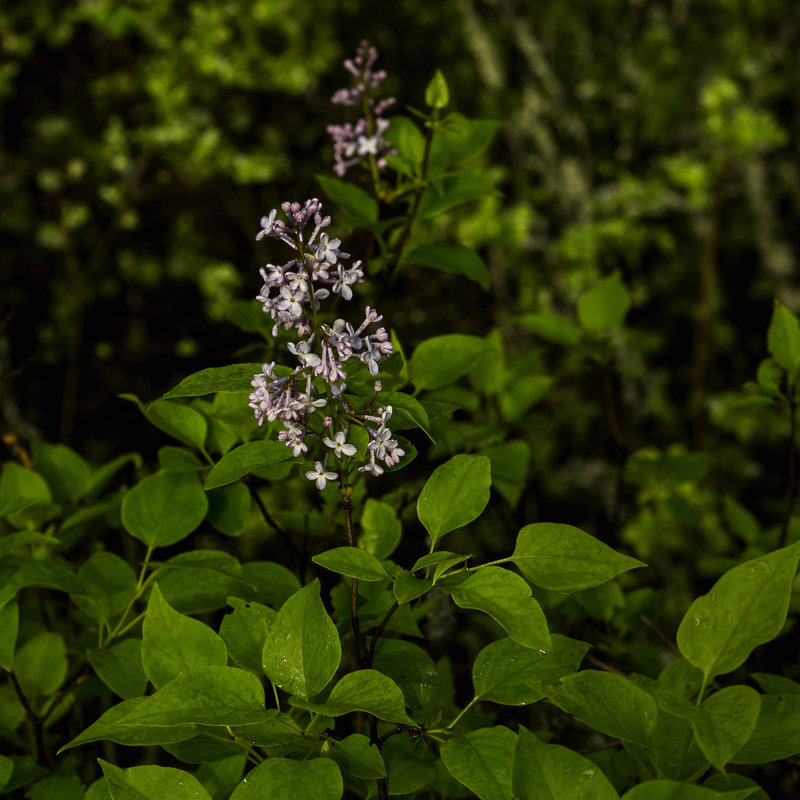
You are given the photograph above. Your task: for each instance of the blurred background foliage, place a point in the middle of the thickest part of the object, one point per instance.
(655, 139)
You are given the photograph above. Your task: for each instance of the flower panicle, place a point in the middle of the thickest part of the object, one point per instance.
(354, 142)
(292, 295)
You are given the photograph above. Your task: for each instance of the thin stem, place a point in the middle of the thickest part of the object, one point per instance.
(793, 488)
(120, 627)
(379, 631)
(359, 636)
(268, 518)
(464, 710)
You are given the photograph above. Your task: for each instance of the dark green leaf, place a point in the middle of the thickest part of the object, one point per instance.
(672, 790)
(777, 731)
(181, 422)
(40, 665)
(356, 756)
(284, 779)
(553, 327)
(273, 583)
(482, 760)
(407, 588)
(359, 208)
(232, 378)
(407, 412)
(120, 668)
(177, 459)
(173, 644)
(551, 771)
(229, 508)
(114, 582)
(443, 359)
(245, 459)
(164, 508)
(451, 258)
(245, 631)
(410, 667)
(9, 627)
(609, 703)
(67, 474)
(380, 529)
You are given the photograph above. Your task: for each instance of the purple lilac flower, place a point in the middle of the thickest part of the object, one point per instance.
(354, 142)
(291, 294)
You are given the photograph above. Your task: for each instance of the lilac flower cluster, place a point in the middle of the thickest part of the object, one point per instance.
(291, 294)
(354, 142)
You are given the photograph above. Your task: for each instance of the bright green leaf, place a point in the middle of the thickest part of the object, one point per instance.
(453, 258)
(783, 338)
(380, 529)
(565, 559)
(746, 607)
(605, 305)
(120, 668)
(284, 779)
(672, 790)
(353, 562)
(232, 378)
(455, 494)
(505, 597)
(437, 95)
(443, 359)
(410, 667)
(776, 734)
(302, 651)
(152, 783)
(360, 208)
(356, 756)
(245, 631)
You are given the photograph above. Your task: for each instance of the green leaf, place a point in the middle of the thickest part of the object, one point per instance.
(442, 560)
(220, 777)
(410, 667)
(181, 422)
(443, 359)
(407, 773)
(452, 258)
(202, 580)
(40, 665)
(506, 598)
(510, 673)
(229, 508)
(522, 392)
(284, 779)
(9, 627)
(407, 139)
(406, 587)
(459, 139)
(15, 541)
(114, 583)
(455, 494)
(609, 703)
(50, 574)
(380, 529)
(509, 462)
(353, 562)
(11, 503)
(776, 734)
(746, 607)
(164, 508)
(6, 768)
(356, 756)
(177, 459)
(212, 695)
(565, 559)
(437, 95)
(302, 651)
(549, 771)
(120, 668)
(776, 684)
(553, 327)
(173, 644)
(672, 790)
(64, 786)
(722, 724)
(358, 207)
(152, 783)
(16, 481)
(364, 690)
(111, 726)
(244, 459)
(783, 338)
(102, 475)
(67, 474)
(245, 631)
(605, 305)
(232, 378)
(482, 760)
(274, 584)
(407, 412)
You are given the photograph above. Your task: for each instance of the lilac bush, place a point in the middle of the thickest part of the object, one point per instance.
(310, 400)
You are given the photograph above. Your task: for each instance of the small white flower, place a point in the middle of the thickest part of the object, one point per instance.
(340, 446)
(266, 225)
(320, 476)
